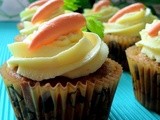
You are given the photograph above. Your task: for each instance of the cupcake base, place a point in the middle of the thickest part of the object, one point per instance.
(117, 45)
(84, 98)
(146, 78)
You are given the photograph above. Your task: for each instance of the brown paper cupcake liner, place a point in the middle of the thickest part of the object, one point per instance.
(117, 45)
(89, 99)
(146, 79)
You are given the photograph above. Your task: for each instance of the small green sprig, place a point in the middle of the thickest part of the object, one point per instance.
(71, 5)
(77, 5)
(95, 26)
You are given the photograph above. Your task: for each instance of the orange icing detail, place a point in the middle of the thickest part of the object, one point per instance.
(56, 27)
(46, 10)
(154, 30)
(131, 8)
(97, 6)
(37, 3)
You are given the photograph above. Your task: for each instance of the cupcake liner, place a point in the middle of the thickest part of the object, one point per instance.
(117, 45)
(90, 100)
(146, 79)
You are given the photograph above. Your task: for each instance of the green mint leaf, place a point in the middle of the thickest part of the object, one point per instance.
(71, 5)
(77, 5)
(95, 26)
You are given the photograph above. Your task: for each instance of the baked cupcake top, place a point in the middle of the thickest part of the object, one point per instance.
(150, 40)
(39, 12)
(103, 10)
(129, 21)
(58, 48)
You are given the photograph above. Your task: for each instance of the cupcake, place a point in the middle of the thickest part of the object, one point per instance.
(122, 30)
(36, 14)
(102, 9)
(144, 64)
(61, 73)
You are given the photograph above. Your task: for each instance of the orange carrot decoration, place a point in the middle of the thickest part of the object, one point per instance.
(58, 26)
(131, 8)
(37, 3)
(154, 30)
(45, 10)
(97, 6)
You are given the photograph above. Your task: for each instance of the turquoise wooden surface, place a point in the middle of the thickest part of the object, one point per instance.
(124, 107)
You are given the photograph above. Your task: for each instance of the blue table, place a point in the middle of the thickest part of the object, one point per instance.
(124, 107)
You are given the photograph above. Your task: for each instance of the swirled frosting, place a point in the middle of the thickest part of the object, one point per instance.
(130, 24)
(27, 14)
(29, 27)
(73, 55)
(103, 14)
(150, 44)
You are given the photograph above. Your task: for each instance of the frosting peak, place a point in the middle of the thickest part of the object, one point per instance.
(102, 3)
(44, 12)
(150, 44)
(130, 24)
(62, 49)
(76, 58)
(55, 28)
(155, 29)
(131, 8)
(39, 12)
(102, 10)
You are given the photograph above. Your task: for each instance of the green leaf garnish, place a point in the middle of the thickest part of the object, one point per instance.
(71, 5)
(76, 5)
(95, 26)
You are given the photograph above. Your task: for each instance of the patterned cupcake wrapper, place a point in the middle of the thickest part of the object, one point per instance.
(146, 83)
(90, 101)
(117, 46)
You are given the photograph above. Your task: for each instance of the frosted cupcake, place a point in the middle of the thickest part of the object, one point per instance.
(61, 74)
(36, 14)
(103, 10)
(144, 64)
(122, 30)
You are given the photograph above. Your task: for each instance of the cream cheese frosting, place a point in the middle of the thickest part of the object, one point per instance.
(33, 17)
(130, 24)
(103, 14)
(150, 44)
(27, 13)
(29, 27)
(74, 55)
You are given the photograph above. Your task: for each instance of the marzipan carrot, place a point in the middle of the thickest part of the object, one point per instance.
(37, 3)
(154, 30)
(56, 27)
(97, 6)
(131, 8)
(45, 10)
